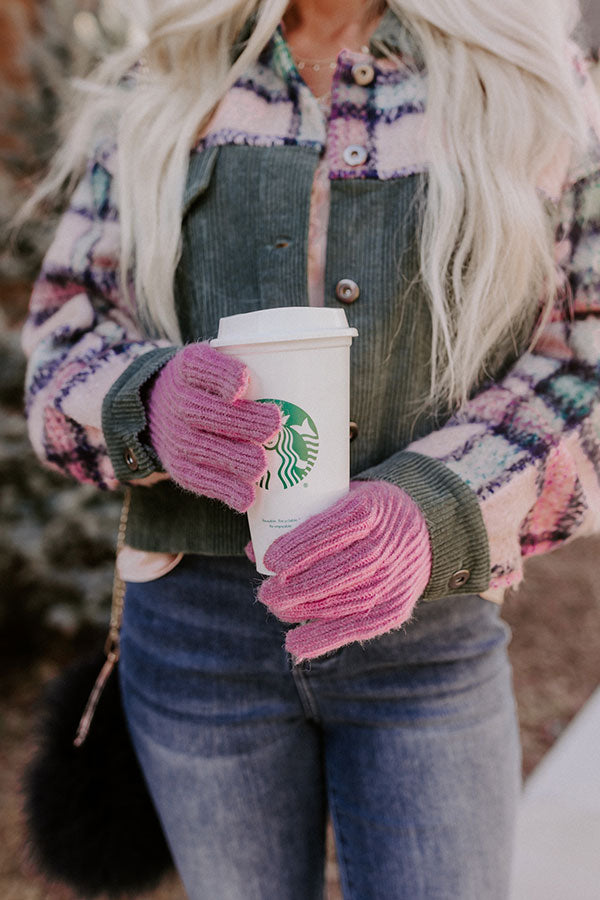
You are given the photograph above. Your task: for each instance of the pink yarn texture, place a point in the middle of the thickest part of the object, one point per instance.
(350, 573)
(208, 438)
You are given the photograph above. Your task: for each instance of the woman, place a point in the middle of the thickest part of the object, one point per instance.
(433, 169)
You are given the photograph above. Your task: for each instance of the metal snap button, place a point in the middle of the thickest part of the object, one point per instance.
(355, 155)
(363, 74)
(353, 430)
(459, 579)
(347, 291)
(130, 459)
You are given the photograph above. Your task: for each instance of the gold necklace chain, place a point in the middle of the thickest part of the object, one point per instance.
(317, 64)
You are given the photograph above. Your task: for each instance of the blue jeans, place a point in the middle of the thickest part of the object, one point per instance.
(409, 741)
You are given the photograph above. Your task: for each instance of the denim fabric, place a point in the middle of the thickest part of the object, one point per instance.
(410, 741)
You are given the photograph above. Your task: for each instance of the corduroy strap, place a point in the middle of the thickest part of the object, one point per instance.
(112, 644)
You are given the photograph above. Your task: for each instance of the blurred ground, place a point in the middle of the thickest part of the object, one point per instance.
(555, 651)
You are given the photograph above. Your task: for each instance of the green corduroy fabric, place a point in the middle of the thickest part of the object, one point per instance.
(454, 521)
(245, 247)
(124, 416)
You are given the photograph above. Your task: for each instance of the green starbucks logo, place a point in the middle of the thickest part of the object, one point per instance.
(293, 451)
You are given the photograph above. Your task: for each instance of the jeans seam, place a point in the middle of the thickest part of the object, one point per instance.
(307, 698)
(340, 846)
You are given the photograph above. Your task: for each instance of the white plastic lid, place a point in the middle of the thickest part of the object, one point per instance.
(287, 323)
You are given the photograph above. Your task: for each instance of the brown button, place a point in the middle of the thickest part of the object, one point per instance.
(459, 579)
(347, 290)
(353, 430)
(131, 459)
(363, 74)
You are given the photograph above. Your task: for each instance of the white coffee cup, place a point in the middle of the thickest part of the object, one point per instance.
(299, 358)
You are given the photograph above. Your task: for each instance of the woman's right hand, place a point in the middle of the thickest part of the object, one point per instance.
(207, 437)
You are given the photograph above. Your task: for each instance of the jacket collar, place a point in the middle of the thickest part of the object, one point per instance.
(393, 36)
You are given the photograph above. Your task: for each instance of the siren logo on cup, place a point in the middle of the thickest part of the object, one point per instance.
(294, 448)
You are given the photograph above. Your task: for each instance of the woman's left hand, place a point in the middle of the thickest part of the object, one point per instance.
(350, 573)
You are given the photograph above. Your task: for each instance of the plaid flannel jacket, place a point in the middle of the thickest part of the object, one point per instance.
(517, 474)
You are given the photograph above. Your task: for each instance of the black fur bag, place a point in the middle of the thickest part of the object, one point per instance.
(90, 819)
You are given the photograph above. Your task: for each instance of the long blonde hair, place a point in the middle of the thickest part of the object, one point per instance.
(501, 99)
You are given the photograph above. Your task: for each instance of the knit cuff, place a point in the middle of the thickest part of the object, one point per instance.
(124, 417)
(459, 543)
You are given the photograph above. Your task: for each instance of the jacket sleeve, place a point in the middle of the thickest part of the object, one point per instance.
(83, 342)
(518, 472)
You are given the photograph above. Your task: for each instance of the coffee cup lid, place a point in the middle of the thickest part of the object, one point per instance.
(286, 323)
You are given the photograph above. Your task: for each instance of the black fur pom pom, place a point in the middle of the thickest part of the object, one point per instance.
(90, 818)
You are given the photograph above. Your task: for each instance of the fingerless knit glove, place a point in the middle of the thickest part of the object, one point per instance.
(350, 573)
(206, 436)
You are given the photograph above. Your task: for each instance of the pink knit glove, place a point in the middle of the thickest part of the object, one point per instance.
(206, 436)
(350, 573)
